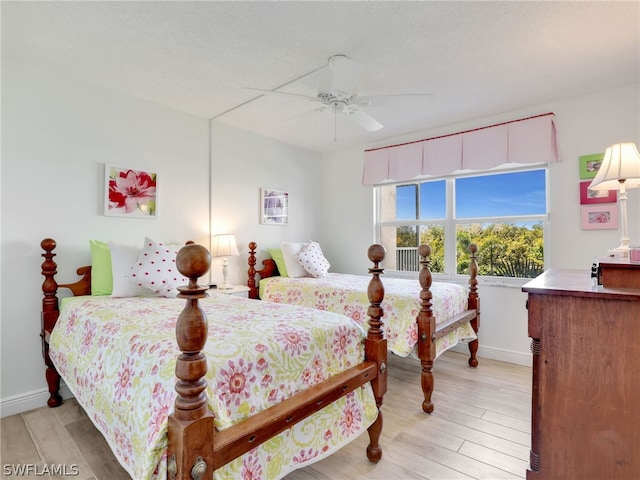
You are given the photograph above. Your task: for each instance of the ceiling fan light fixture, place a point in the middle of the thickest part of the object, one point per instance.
(340, 106)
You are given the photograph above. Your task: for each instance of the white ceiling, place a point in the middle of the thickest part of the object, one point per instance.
(476, 58)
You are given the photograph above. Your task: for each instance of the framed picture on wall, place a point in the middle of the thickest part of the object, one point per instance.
(274, 207)
(596, 196)
(589, 165)
(130, 193)
(599, 217)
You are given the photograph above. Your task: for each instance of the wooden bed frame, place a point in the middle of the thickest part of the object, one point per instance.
(196, 449)
(428, 331)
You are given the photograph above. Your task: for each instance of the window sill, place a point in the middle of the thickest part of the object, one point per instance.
(463, 279)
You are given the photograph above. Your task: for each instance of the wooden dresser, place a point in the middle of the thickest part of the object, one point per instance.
(586, 378)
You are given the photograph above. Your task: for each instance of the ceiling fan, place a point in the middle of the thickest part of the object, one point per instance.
(337, 91)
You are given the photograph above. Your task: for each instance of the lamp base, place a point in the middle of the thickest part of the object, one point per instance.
(225, 285)
(619, 252)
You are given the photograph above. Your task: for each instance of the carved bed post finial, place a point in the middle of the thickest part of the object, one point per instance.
(251, 281)
(376, 346)
(426, 324)
(191, 425)
(473, 271)
(269, 269)
(376, 290)
(474, 302)
(49, 316)
(49, 270)
(425, 278)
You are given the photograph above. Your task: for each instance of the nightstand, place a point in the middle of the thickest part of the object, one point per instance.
(237, 290)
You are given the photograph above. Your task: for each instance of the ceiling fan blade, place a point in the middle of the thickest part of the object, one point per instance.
(398, 95)
(284, 94)
(363, 119)
(390, 99)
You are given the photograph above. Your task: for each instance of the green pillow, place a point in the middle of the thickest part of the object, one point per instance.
(101, 276)
(276, 254)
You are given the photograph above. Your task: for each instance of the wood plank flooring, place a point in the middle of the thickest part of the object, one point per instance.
(480, 429)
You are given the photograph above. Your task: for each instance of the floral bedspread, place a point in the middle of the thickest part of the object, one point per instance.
(117, 356)
(347, 294)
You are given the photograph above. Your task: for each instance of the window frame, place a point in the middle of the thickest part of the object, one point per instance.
(451, 223)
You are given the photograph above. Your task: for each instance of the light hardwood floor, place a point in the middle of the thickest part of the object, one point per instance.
(480, 429)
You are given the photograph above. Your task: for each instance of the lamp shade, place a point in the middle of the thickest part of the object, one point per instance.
(621, 164)
(224, 245)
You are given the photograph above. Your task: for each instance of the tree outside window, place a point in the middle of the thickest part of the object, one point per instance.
(503, 213)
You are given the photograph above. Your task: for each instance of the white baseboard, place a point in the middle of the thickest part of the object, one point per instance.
(502, 355)
(28, 401)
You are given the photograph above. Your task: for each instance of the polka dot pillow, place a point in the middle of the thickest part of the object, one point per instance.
(312, 260)
(155, 269)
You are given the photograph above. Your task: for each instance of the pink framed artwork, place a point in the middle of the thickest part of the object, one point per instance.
(130, 193)
(599, 217)
(596, 196)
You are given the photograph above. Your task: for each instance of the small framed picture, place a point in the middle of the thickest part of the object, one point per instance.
(596, 196)
(130, 193)
(599, 217)
(274, 207)
(589, 165)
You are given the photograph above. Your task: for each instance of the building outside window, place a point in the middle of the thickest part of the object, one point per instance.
(504, 213)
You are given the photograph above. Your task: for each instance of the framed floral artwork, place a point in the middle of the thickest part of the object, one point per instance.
(599, 217)
(274, 207)
(596, 196)
(130, 193)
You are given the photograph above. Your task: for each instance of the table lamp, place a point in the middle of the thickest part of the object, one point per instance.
(224, 245)
(620, 170)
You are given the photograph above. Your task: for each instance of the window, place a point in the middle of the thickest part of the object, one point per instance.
(503, 213)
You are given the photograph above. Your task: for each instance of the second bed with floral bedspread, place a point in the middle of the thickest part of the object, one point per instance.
(347, 294)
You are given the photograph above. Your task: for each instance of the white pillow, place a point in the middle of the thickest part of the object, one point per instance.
(155, 269)
(289, 252)
(312, 260)
(123, 257)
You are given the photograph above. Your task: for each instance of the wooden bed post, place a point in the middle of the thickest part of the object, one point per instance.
(427, 331)
(251, 280)
(376, 347)
(474, 302)
(50, 311)
(426, 328)
(269, 269)
(191, 426)
(49, 317)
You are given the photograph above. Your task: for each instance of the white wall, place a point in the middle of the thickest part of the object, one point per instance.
(585, 125)
(241, 164)
(348, 212)
(56, 136)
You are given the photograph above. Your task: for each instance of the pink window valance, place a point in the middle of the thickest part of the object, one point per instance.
(523, 141)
